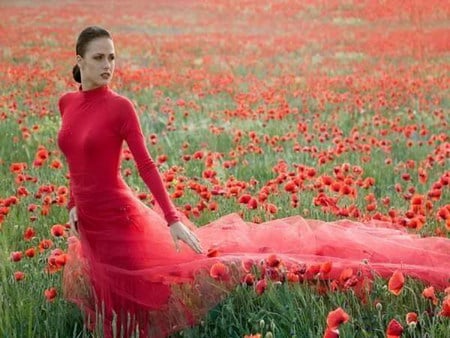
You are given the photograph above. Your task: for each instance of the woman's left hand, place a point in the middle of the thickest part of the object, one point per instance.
(180, 232)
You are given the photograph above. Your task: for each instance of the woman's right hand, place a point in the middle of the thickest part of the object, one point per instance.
(73, 221)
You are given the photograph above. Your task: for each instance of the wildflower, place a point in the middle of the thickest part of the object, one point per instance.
(32, 207)
(396, 282)
(30, 253)
(249, 279)
(345, 275)
(290, 187)
(16, 256)
(50, 294)
(19, 275)
(17, 168)
(411, 318)
(336, 318)
(42, 154)
(247, 265)
(56, 164)
(273, 261)
(445, 312)
(219, 271)
(252, 204)
(394, 329)
(406, 176)
(244, 199)
(428, 293)
(271, 208)
(45, 244)
(162, 158)
(325, 268)
(261, 286)
(331, 333)
(57, 230)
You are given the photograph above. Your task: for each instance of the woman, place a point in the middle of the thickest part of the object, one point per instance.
(123, 271)
(103, 209)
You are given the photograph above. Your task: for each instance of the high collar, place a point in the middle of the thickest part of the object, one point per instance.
(96, 92)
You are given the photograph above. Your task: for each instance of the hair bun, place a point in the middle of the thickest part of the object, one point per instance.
(76, 73)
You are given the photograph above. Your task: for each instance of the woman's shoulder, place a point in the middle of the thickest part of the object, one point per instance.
(67, 96)
(64, 99)
(122, 103)
(120, 98)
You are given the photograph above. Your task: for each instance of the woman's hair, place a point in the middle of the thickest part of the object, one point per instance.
(87, 35)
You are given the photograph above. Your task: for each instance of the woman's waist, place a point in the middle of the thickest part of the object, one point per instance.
(100, 192)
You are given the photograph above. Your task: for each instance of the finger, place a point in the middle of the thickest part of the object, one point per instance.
(177, 247)
(195, 245)
(197, 242)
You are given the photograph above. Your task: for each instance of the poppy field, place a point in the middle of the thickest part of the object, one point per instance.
(325, 109)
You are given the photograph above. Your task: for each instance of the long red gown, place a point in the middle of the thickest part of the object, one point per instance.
(124, 272)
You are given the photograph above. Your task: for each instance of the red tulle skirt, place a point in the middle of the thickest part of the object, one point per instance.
(125, 275)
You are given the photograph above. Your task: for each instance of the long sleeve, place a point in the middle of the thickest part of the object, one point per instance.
(131, 131)
(71, 202)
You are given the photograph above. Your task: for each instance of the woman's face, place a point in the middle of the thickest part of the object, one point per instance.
(97, 64)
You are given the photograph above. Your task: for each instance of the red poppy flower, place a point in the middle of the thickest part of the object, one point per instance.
(249, 279)
(252, 204)
(247, 265)
(396, 282)
(17, 168)
(261, 286)
(50, 294)
(45, 244)
(29, 233)
(292, 277)
(273, 261)
(271, 208)
(42, 154)
(406, 176)
(325, 268)
(162, 158)
(336, 318)
(423, 176)
(245, 198)
(290, 187)
(444, 212)
(394, 329)
(345, 275)
(19, 275)
(57, 230)
(445, 307)
(313, 269)
(219, 271)
(331, 333)
(56, 164)
(429, 293)
(411, 317)
(16, 256)
(30, 253)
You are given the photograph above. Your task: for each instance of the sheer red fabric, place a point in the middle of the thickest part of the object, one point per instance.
(124, 272)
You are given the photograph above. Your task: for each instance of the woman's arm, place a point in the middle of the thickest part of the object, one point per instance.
(131, 131)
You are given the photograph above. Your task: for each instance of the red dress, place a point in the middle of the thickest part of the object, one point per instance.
(124, 272)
